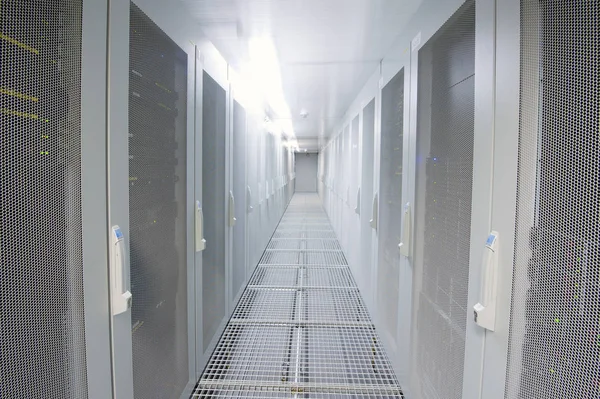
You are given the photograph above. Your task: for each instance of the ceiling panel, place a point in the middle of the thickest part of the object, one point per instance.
(327, 49)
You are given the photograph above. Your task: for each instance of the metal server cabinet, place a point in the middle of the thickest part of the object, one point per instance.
(54, 331)
(151, 186)
(253, 166)
(157, 209)
(391, 204)
(214, 279)
(545, 202)
(353, 196)
(364, 276)
(554, 343)
(444, 181)
(238, 196)
(213, 189)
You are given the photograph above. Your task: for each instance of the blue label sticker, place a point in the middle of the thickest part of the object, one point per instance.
(490, 240)
(118, 234)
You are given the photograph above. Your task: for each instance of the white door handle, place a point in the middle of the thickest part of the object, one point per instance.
(373, 221)
(200, 241)
(249, 199)
(348, 195)
(232, 218)
(485, 310)
(357, 209)
(121, 297)
(406, 233)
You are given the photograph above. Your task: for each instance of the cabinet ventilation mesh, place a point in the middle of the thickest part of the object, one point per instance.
(157, 198)
(445, 138)
(42, 328)
(390, 200)
(554, 344)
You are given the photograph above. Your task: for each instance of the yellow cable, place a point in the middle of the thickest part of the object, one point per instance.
(18, 43)
(15, 93)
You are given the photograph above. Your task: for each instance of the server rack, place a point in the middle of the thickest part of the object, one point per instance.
(214, 201)
(366, 198)
(239, 160)
(554, 345)
(157, 209)
(446, 114)
(43, 333)
(391, 202)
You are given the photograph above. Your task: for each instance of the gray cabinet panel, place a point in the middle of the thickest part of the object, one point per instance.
(214, 102)
(157, 209)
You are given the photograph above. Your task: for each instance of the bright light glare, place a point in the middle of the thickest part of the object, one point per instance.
(248, 93)
(265, 75)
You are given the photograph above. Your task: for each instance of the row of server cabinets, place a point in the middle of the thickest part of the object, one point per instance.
(464, 187)
(137, 189)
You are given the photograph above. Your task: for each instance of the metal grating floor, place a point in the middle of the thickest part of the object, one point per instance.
(301, 328)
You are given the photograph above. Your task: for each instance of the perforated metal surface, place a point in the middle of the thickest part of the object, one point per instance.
(301, 328)
(445, 137)
(555, 320)
(42, 336)
(239, 135)
(390, 201)
(214, 105)
(157, 203)
(366, 199)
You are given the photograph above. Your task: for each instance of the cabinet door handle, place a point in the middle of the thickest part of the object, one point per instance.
(249, 199)
(404, 246)
(485, 310)
(374, 216)
(357, 209)
(121, 297)
(200, 241)
(232, 218)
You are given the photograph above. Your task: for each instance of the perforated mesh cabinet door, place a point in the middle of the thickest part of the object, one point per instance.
(252, 165)
(366, 200)
(554, 345)
(344, 163)
(445, 134)
(42, 337)
(239, 191)
(338, 167)
(214, 103)
(354, 163)
(157, 203)
(390, 200)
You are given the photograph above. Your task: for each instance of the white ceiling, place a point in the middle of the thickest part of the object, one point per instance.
(327, 49)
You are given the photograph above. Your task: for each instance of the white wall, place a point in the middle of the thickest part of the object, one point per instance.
(306, 172)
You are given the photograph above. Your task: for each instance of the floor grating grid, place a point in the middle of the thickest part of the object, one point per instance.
(301, 328)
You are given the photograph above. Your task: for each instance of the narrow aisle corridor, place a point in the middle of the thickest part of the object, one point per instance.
(301, 328)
